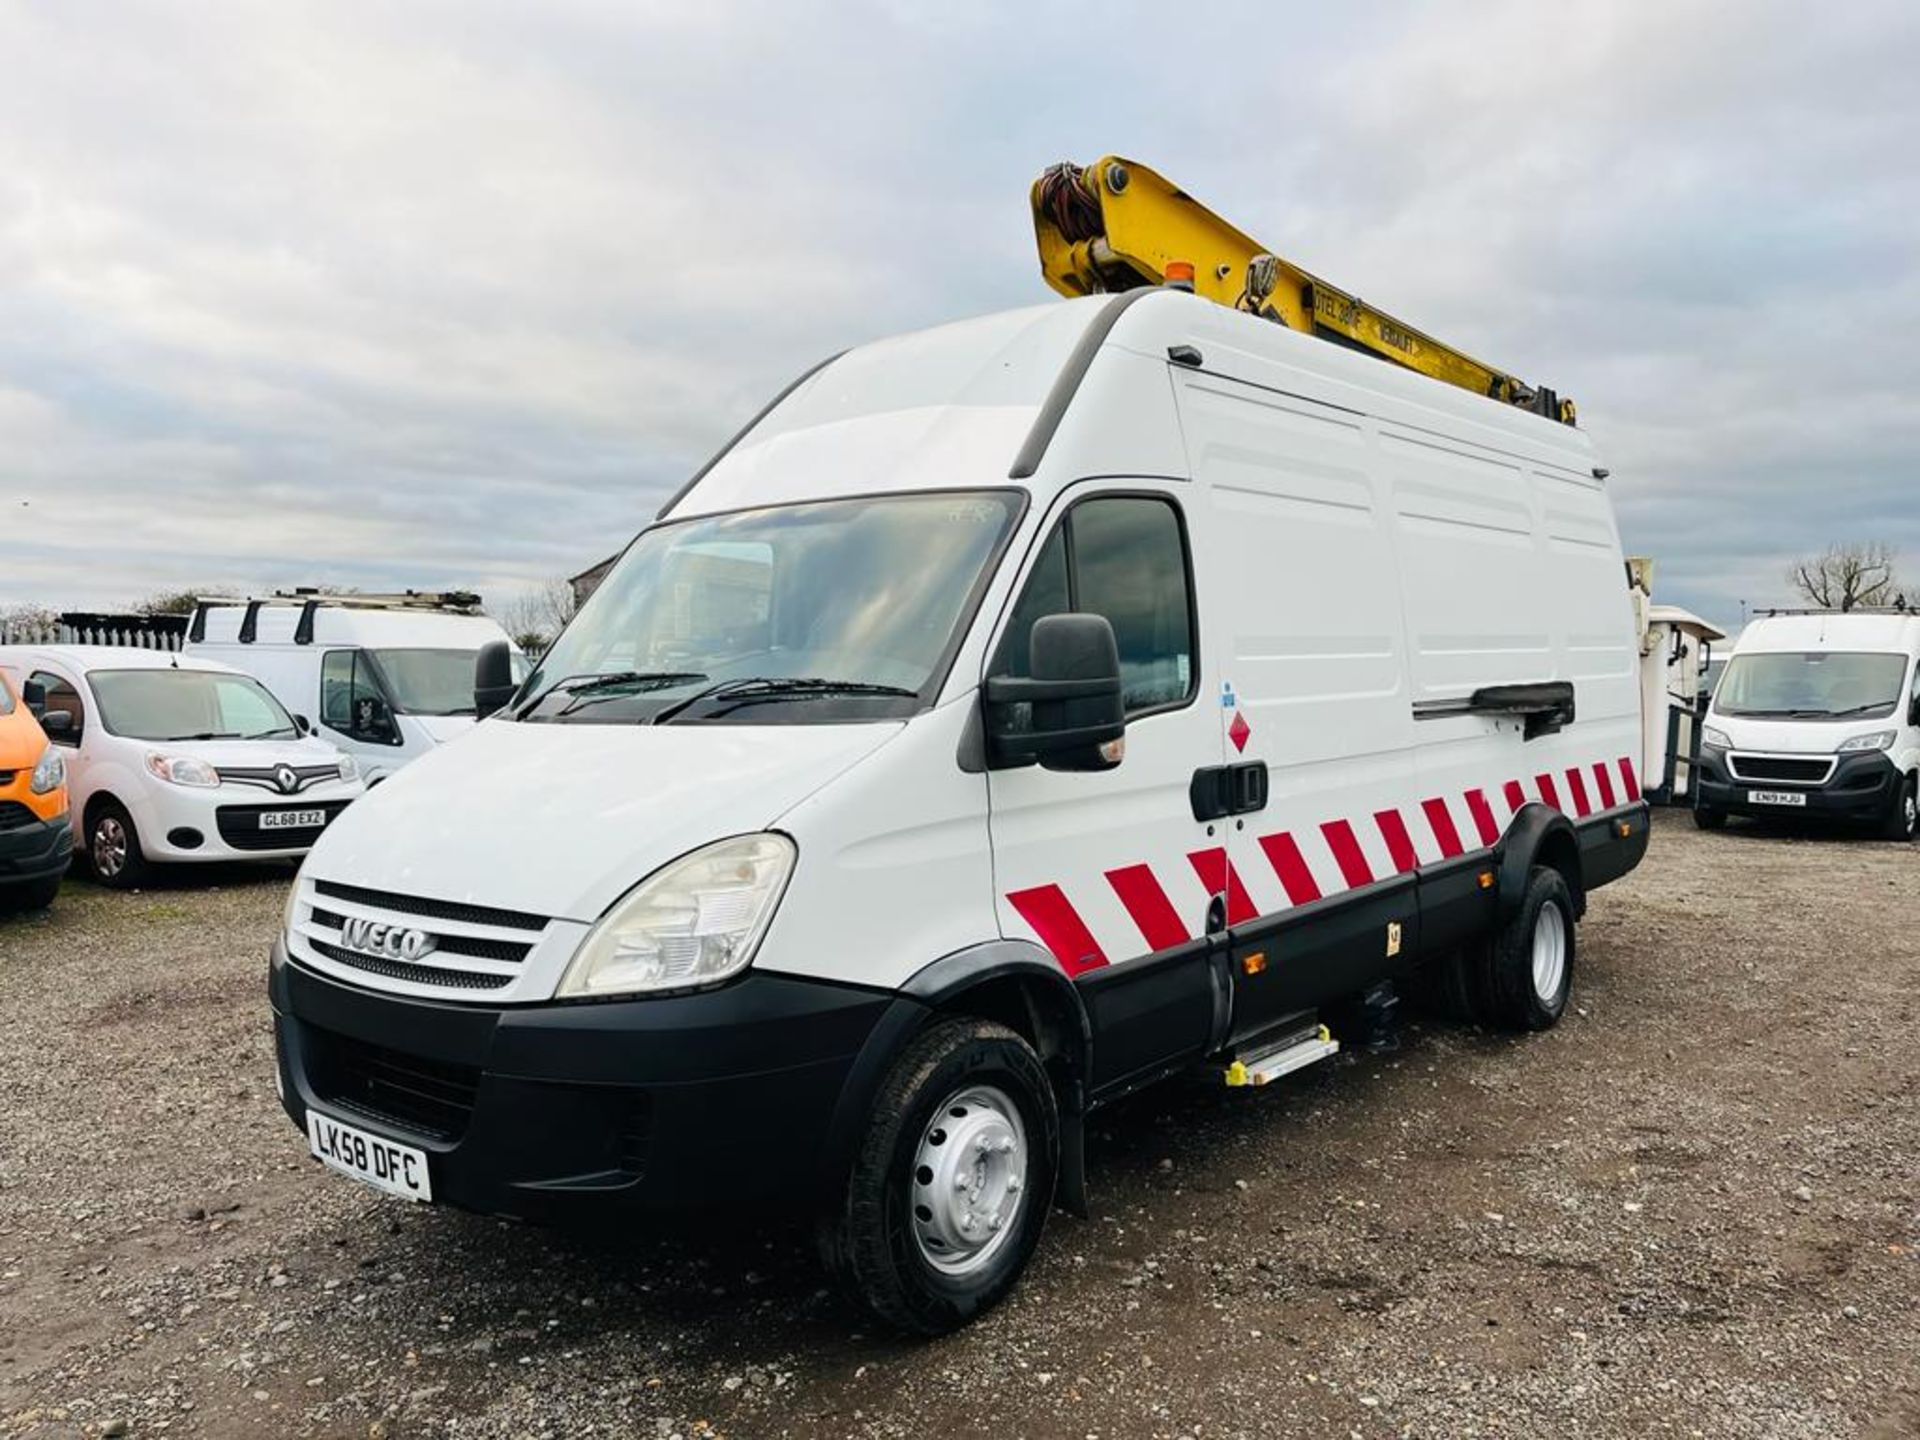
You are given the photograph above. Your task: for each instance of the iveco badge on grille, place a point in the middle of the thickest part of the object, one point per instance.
(371, 937)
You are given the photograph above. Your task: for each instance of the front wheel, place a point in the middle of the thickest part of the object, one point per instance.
(1903, 820)
(113, 848)
(949, 1191)
(33, 895)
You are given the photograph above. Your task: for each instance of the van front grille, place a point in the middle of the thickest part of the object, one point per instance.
(15, 816)
(457, 910)
(1811, 771)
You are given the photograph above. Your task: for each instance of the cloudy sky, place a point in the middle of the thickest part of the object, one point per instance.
(435, 294)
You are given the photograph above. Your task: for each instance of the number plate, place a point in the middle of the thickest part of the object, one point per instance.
(292, 819)
(397, 1169)
(1777, 797)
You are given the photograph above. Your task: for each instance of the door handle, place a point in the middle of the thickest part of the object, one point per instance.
(1217, 791)
(1216, 914)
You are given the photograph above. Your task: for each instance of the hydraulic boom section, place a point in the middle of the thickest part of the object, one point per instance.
(1115, 225)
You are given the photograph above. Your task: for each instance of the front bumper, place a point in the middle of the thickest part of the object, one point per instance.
(181, 823)
(1862, 788)
(36, 850)
(692, 1102)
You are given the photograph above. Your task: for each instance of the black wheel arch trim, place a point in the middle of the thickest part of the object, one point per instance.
(1535, 829)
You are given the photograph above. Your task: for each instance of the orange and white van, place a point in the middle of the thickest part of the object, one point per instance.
(36, 837)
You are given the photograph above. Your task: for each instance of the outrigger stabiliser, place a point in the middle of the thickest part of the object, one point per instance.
(1115, 225)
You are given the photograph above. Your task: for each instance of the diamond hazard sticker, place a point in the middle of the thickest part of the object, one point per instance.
(1239, 731)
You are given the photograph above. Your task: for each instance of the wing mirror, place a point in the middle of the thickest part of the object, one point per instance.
(302, 726)
(56, 722)
(35, 696)
(493, 683)
(1068, 715)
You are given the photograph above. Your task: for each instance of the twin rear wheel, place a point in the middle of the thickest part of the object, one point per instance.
(951, 1186)
(1519, 978)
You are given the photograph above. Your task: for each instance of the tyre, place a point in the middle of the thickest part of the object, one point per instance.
(113, 847)
(950, 1187)
(1709, 819)
(1528, 964)
(1902, 822)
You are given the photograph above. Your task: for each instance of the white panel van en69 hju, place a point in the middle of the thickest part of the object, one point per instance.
(1015, 713)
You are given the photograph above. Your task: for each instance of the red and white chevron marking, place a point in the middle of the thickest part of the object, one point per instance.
(1304, 864)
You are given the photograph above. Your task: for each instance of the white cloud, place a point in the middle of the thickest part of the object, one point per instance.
(455, 293)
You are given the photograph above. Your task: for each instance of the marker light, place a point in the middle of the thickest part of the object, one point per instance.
(1179, 274)
(696, 921)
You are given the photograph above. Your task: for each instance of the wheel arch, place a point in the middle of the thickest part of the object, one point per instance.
(1539, 835)
(1014, 982)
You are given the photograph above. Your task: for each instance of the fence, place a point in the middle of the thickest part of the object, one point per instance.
(140, 637)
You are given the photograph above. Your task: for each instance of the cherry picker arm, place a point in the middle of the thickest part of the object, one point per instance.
(1115, 225)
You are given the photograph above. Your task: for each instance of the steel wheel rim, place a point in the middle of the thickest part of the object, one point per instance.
(109, 846)
(1910, 806)
(1549, 952)
(969, 1180)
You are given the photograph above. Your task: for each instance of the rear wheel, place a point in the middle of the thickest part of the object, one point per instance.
(113, 847)
(1707, 818)
(1528, 964)
(1903, 820)
(950, 1189)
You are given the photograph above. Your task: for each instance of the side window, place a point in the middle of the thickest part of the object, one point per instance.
(62, 698)
(352, 701)
(336, 689)
(1124, 557)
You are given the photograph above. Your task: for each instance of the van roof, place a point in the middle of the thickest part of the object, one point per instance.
(1831, 630)
(279, 624)
(86, 658)
(1031, 397)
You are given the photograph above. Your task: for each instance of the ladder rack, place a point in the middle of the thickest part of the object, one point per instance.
(1115, 225)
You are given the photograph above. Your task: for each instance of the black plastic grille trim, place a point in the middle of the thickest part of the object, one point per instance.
(1760, 767)
(14, 815)
(429, 1097)
(415, 974)
(240, 826)
(432, 909)
(511, 951)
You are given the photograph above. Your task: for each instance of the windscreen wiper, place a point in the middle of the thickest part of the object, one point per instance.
(1859, 709)
(589, 682)
(754, 689)
(205, 735)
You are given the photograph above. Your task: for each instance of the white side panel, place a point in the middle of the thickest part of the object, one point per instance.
(894, 869)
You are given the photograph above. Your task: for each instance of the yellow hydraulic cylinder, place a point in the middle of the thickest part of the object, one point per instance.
(1115, 225)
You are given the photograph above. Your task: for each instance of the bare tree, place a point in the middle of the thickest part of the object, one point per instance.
(1844, 577)
(535, 617)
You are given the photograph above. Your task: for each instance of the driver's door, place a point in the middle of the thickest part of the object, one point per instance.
(1109, 870)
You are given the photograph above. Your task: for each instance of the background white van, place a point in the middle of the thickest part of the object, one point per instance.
(1817, 714)
(385, 678)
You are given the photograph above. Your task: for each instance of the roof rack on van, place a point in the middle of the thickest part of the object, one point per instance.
(310, 599)
(1115, 225)
(1900, 608)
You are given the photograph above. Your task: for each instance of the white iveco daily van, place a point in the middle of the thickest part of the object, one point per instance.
(1014, 714)
(1817, 714)
(386, 678)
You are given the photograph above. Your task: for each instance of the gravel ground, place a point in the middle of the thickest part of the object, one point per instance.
(1689, 1210)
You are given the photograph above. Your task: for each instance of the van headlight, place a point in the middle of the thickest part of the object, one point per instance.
(349, 772)
(1879, 740)
(182, 770)
(49, 773)
(1715, 739)
(696, 921)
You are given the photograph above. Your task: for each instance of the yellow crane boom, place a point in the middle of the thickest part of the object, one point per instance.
(1115, 225)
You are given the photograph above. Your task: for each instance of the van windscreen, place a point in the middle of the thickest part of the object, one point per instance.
(427, 682)
(789, 614)
(1811, 685)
